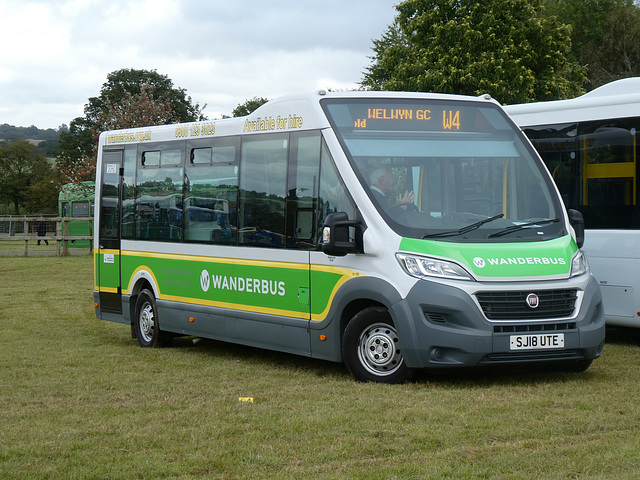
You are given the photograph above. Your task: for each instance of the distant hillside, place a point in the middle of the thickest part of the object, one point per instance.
(46, 141)
(11, 133)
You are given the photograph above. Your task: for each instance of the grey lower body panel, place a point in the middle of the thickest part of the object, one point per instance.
(440, 326)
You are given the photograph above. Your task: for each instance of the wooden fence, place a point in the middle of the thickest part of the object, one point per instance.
(18, 233)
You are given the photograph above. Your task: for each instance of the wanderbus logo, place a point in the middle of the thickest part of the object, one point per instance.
(242, 284)
(495, 262)
(205, 281)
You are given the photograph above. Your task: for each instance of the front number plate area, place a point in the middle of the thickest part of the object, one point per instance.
(536, 342)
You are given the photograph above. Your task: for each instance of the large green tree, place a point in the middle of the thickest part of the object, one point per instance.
(605, 36)
(500, 47)
(25, 175)
(130, 98)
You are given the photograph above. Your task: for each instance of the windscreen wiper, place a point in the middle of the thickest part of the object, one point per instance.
(515, 228)
(463, 230)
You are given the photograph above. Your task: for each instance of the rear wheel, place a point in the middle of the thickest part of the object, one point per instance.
(370, 348)
(146, 324)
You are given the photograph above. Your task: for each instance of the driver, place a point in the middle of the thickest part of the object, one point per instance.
(382, 185)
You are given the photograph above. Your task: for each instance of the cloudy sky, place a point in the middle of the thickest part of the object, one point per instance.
(57, 54)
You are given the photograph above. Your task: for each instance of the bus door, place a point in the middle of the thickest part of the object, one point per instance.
(108, 255)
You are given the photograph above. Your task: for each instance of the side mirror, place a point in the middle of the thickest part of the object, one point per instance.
(341, 235)
(577, 222)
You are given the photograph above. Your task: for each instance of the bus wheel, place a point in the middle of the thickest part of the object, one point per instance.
(370, 348)
(146, 322)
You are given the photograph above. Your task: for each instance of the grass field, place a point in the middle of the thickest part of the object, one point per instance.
(80, 400)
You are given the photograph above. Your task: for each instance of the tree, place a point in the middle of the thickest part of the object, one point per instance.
(504, 48)
(618, 55)
(130, 98)
(21, 168)
(605, 36)
(248, 107)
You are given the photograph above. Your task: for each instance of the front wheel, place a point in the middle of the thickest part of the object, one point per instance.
(370, 348)
(146, 324)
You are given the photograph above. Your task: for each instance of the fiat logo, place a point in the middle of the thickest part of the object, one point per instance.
(532, 300)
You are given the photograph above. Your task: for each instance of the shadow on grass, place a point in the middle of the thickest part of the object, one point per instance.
(467, 377)
(479, 377)
(623, 336)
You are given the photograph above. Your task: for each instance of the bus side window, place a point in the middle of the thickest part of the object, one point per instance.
(263, 179)
(159, 195)
(128, 193)
(211, 191)
(304, 169)
(65, 209)
(333, 196)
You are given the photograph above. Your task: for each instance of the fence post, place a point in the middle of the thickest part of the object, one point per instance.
(91, 233)
(65, 233)
(26, 237)
(59, 236)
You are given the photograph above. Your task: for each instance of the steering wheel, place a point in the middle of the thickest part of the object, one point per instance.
(407, 206)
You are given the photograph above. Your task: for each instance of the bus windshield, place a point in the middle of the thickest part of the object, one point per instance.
(448, 170)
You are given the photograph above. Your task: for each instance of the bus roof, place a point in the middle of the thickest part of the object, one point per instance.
(619, 99)
(282, 114)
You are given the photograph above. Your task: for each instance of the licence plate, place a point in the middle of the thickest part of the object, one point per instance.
(537, 341)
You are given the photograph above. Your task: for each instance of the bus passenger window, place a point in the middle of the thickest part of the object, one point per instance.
(159, 196)
(211, 191)
(263, 180)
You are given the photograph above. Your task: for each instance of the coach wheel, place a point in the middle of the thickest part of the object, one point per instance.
(370, 348)
(146, 323)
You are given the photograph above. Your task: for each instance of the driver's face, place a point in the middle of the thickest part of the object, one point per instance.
(386, 182)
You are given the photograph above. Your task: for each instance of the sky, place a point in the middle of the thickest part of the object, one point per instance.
(55, 55)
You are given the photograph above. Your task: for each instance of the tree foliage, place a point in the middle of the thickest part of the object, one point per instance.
(248, 107)
(27, 180)
(605, 36)
(504, 48)
(130, 98)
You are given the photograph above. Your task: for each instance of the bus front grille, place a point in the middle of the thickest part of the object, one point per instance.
(516, 306)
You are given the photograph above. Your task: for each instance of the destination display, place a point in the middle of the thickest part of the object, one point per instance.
(430, 116)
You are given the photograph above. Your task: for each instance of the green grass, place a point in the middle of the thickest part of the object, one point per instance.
(80, 400)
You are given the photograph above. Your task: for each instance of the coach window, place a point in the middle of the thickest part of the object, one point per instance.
(560, 149)
(609, 198)
(129, 192)
(262, 190)
(333, 196)
(159, 195)
(211, 190)
(302, 190)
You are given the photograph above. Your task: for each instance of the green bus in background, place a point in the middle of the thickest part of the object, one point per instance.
(76, 201)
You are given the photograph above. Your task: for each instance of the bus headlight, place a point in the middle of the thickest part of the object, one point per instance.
(579, 265)
(422, 267)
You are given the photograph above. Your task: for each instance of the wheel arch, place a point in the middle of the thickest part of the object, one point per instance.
(354, 296)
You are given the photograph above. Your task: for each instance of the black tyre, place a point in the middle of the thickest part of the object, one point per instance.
(370, 348)
(146, 324)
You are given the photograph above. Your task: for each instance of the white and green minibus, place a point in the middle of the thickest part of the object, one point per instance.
(389, 231)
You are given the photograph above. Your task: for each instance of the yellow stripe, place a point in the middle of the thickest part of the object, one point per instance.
(107, 251)
(238, 307)
(202, 258)
(107, 289)
(345, 274)
(143, 268)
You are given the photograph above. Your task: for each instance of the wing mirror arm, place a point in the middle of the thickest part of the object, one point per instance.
(577, 222)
